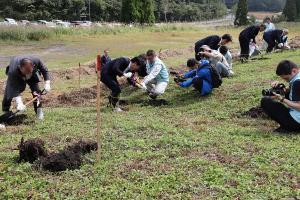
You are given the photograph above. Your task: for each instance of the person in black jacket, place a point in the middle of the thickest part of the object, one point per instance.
(214, 42)
(275, 37)
(246, 36)
(105, 58)
(119, 67)
(24, 70)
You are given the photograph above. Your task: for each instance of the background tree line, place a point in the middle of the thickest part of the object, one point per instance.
(114, 10)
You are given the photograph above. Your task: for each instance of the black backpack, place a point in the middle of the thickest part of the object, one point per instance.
(215, 76)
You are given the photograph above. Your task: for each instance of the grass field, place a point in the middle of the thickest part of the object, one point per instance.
(193, 148)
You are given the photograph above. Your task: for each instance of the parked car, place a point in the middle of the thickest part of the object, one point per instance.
(61, 23)
(10, 22)
(46, 23)
(25, 22)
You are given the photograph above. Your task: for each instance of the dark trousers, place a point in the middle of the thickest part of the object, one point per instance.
(198, 84)
(271, 44)
(244, 44)
(112, 83)
(33, 83)
(280, 113)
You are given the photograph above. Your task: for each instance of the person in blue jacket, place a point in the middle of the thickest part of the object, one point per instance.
(199, 76)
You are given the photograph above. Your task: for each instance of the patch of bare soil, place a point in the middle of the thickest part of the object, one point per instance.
(295, 42)
(84, 96)
(164, 54)
(85, 69)
(68, 159)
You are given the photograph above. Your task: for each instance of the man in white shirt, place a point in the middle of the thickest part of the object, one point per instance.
(157, 79)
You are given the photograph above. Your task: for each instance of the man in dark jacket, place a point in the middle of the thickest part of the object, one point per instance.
(24, 70)
(105, 58)
(246, 36)
(214, 42)
(119, 67)
(275, 37)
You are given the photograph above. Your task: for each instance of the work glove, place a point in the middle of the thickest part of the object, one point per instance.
(128, 75)
(280, 45)
(47, 86)
(144, 87)
(20, 105)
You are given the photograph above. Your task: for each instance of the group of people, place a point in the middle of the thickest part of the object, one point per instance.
(212, 62)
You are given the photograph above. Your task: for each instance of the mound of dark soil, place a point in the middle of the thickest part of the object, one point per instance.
(68, 159)
(61, 161)
(255, 112)
(83, 147)
(31, 150)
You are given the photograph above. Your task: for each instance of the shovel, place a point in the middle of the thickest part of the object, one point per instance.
(8, 116)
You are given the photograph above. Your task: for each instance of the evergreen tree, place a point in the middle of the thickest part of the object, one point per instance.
(130, 11)
(147, 12)
(290, 10)
(241, 13)
(298, 8)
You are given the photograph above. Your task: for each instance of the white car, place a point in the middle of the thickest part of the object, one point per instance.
(10, 22)
(47, 24)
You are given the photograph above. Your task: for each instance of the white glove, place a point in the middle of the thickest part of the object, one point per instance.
(20, 105)
(280, 45)
(128, 75)
(47, 86)
(144, 87)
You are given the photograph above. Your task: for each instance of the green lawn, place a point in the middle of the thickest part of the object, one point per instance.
(194, 148)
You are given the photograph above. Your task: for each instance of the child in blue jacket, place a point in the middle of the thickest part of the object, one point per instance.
(199, 76)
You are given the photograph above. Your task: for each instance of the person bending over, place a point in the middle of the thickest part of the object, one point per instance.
(276, 37)
(24, 70)
(118, 67)
(199, 77)
(214, 42)
(217, 60)
(156, 82)
(246, 36)
(285, 110)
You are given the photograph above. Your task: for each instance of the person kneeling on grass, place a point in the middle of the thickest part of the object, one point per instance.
(24, 70)
(118, 67)
(276, 39)
(199, 76)
(285, 110)
(156, 82)
(217, 60)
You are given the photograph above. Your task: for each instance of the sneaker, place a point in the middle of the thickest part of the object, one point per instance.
(280, 130)
(40, 114)
(118, 109)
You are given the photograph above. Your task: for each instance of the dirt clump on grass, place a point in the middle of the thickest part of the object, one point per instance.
(31, 150)
(61, 161)
(255, 112)
(69, 158)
